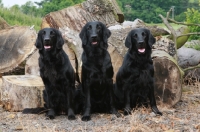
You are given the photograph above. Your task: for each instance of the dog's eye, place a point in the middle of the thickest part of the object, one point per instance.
(135, 35)
(143, 34)
(52, 33)
(43, 32)
(89, 27)
(98, 27)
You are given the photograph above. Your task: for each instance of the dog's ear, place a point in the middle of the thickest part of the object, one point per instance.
(128, 42)
(60, 40)
(106, 35)
(151, 39)
(83, 35)
(39, 40)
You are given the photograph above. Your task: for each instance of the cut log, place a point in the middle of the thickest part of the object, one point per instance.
(75, 17)
(168, 79)
(16, 44)
(188, 57)
(22, 91)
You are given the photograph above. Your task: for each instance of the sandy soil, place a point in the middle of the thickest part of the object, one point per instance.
(183, 117)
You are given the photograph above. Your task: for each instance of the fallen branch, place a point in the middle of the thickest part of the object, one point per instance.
(182, 23)
(188, 34)
(191, 68)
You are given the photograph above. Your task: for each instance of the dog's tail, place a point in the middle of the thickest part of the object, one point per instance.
(34, 110)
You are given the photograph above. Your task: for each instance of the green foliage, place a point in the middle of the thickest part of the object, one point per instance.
(194, 46)
(47, 6)
(193, 16)
(149, 10)
(30, 9)
(14, 16)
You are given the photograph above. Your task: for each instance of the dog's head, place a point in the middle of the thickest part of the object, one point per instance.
(95, 33)
(139, 39)
(49, 39)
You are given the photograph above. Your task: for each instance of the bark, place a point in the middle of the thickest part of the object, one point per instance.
(19, 92)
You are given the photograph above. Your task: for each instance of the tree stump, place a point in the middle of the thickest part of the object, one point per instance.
(22, 91)
(168, 79)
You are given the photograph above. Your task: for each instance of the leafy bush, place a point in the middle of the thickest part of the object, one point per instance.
(193, 16)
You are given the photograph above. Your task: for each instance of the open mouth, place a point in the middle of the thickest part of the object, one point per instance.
(47, 47)
(141, 50)
(94, 43)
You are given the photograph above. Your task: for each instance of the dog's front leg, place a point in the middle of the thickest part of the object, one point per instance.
(153, 101)
(70, 113)
(51, 111)
(87, 110)
(127, 109)
(112, 99)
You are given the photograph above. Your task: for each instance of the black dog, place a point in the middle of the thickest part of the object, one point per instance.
(97, 70)
(57, 74)
(135, 78)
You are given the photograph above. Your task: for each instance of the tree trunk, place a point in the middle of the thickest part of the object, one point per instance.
(22, 91)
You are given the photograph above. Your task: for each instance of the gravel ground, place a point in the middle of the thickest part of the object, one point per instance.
(183, 117)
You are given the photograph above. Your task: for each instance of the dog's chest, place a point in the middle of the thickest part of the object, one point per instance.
(52, 72)
(141, 73)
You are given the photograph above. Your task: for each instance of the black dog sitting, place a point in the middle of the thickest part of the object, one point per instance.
(57, 74)
(135, 78)
(97, 70)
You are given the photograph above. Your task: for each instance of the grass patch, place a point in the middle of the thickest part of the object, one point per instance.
(16, 17)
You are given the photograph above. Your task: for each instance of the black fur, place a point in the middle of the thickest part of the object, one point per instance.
(57, 74)
(135, 78)
(97, 70)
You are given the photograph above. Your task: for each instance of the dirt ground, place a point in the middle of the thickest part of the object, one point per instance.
(183, 117)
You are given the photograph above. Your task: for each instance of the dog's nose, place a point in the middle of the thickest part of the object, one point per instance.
(94, 36)
(46, 39)
(141, 42)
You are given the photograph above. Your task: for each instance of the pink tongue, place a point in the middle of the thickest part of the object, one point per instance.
(94, 42)
(47, 47)
(141, 50)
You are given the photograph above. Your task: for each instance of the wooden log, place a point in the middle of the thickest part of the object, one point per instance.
(16, 44)
(22, 91)
(168, 79)
(187, 58)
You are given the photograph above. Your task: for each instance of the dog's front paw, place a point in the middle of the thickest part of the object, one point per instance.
(86, 118)
(115, 112)
(156, 111)
(51, 114)
(118, 114)
(71, 117)
(127, 111)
